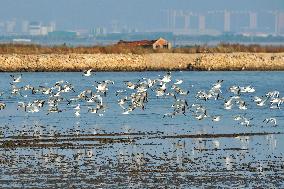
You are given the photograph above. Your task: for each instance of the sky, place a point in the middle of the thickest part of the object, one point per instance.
(141, 14)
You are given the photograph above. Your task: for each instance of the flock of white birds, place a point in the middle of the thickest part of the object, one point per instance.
(136, 96)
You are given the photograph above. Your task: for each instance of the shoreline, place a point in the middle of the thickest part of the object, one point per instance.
(144, 62)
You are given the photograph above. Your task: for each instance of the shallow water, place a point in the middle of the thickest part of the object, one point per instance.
(142, 149)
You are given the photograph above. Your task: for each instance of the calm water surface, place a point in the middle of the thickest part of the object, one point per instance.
(142, 149)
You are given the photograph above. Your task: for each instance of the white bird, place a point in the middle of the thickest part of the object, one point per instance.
(77, 113)
(217, 85)
(2, 106)
(245, 122)
(178, 82)
(77, 107)
(93, 110)
(242, 105)
(172, 114)
(126, 112)
(270, 120)
(16, 79)
(200, 116)
(235, 89)
(262, 103)
(228, 106)
(121, 102)
(129, 109)
(247, 89)
(87, 73)
(160, 92)
(54, 109)
(238, 117)
(130, 85)
(257, 99)
(167, 78)
(272, 94)
(33, 109)
(216, 118)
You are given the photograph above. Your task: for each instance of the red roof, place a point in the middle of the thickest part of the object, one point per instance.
(137, 43)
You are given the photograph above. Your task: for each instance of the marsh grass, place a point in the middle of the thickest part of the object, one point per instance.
(123, 49)
(143, 62)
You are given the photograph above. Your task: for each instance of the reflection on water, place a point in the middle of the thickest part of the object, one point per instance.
(142, 149)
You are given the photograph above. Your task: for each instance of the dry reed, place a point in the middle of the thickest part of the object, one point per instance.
(122, 49)
(141, 62)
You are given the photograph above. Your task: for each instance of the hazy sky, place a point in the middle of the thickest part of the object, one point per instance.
(142, 14)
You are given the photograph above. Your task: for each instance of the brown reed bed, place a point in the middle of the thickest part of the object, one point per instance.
(122, 49)
(141, 62)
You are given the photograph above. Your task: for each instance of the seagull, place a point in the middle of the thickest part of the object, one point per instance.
(39, 103)
(169, 115)
(160, 92)
(167, 78)
(172, 95)
(228, 106)
(178, 82)
(96, 98)
(217, 85)
(201, 116)
(238, 117)
(93, 110)
(2, 106)
(216, 118)
(77, 113)
(178, 90)
(242, 105)
(102, 86)
(246, 121)
(121, 102)
(272, 94)
(77, 107)
(129, 109)
(257, 99)
(270, 120)
(22, 105)
(262, 103)
(130, 85)
(87, 73)
(277, 101)
(33, 109)
(247, 89)
(53, 109)
(16, 79)
(235, 89)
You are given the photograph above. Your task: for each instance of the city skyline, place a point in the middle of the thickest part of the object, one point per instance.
(188, 17)
(143, 15)
(178, 22)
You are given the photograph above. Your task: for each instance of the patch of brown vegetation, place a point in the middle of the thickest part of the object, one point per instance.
(141, 62)
(126, 49)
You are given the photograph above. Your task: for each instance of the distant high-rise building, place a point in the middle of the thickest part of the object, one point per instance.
(10, 26)
(99, 31)
(35, 28)
(186, 21)
(115, 26)
(25, 27)
(201, 20)
(252, 20)
(214, 22)
(51, 27)
(2, 27)
(280, 23)
(227, 21)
